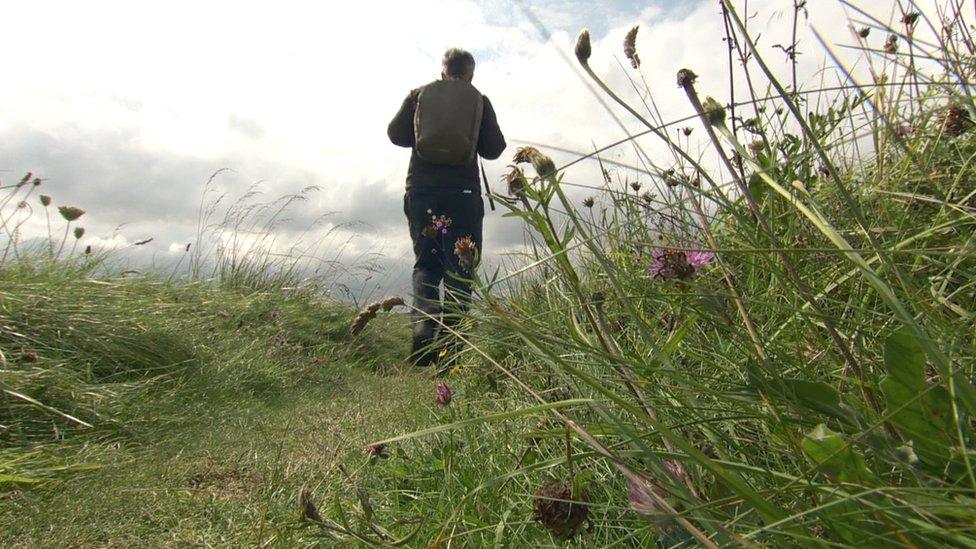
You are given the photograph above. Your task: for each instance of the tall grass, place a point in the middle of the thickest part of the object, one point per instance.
(775, 345)
(86, 341)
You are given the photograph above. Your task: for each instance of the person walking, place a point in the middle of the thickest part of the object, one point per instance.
(447, 124)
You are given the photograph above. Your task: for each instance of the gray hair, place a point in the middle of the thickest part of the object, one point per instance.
(457, 62)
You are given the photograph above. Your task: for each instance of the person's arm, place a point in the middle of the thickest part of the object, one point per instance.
(400, 129)
(491, 142)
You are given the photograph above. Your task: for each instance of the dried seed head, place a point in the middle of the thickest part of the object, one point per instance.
(309, 511)
(29, 356)
(561, 511)
(686, 78)
(45, 200)
(588, 202)
(687, 130)
(583, 49)
(516, 181)
(863, 32)
(714, 111)
(756, 146)
(465, 248)
(442, 396)
(891, 44)
(630, 47)
(88, 250)
(79, 232)
(523, 155)
(23, 181)
(543, 164)
(909, 20)
(70, 213)
(635, 185)
(955, 120)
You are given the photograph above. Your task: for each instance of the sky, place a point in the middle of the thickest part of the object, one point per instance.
(127, 108)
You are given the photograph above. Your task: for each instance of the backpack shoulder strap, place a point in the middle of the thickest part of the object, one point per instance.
(491, 201)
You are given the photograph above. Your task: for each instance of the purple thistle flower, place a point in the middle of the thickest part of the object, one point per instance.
(443, 396)
(375, 449)
(678, 264)
(699, 259)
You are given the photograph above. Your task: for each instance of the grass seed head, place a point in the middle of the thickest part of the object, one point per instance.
(23, 181)
(630, 47)
(389, 303)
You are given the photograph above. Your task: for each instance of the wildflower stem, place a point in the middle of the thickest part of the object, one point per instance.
(805, 292)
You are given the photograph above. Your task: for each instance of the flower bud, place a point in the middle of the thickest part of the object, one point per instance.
(583, 49)
(45, 200)
(686, 78)
(70, 213)
(79, 232)
(714, 112)
(443, 394)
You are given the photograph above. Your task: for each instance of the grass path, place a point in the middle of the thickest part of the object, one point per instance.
(260, 396)
(231, 475)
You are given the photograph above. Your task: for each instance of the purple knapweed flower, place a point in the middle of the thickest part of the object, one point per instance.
(678, 264)
(443, 396)
(374, 450)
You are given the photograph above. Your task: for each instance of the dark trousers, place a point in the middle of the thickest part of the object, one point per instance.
(434, 257)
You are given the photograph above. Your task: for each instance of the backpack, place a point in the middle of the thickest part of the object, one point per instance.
(447, 122)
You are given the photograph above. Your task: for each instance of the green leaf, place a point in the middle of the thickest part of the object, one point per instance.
(904, 360)
(919, 410)
(834, 456)
(802, 395)
(756, 187)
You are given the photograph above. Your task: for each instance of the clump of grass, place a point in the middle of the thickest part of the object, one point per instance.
(810, 382)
